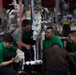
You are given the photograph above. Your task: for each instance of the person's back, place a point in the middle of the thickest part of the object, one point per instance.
(55, 58)
(56, 61)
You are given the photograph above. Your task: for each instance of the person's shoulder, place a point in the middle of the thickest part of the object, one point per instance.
(1, 45)
(56, 36)
(14, 47)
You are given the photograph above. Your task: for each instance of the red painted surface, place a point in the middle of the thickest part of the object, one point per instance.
(45, 3)
(48, 3)
(20, 25)
(1, 6)
(6, 4)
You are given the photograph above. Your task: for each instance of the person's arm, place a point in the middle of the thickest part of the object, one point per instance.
(73, 54)
(3, 63)
(18, 50)
(28, 47)
(70, 58)
(8, 62)
(65, 43)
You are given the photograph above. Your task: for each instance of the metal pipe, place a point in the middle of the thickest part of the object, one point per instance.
(20, 24)
(68, 5)
(38, 44)
(57, 10)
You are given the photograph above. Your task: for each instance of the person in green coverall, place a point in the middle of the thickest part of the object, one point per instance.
(72, 39)
(8, 55)
(51, 38)
(27, 40)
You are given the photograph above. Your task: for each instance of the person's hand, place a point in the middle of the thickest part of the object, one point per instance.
(13, 59)
(28, 47)
(71, 53)
(41, 55)
(65, 44)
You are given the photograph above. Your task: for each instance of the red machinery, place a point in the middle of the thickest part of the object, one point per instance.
(6, 4)
(48, 3)
(1, 6)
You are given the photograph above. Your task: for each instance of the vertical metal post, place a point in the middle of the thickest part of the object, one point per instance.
(20, 24)
(32, 7)
(68, 5)
(26, 4)
(37, 48)
(57, 10)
